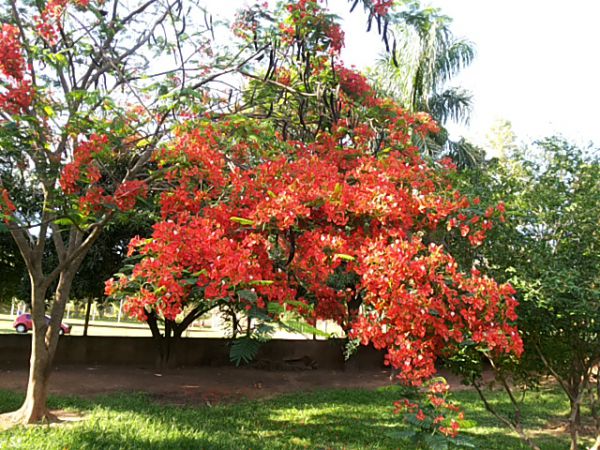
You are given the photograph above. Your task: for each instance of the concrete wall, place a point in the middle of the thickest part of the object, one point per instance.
(276, 354)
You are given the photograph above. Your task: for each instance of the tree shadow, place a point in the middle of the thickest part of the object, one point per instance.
(332, 419)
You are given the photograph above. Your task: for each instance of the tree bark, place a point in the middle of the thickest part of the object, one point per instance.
(574, 421)
(167, 342)
(34, 408)
(43, 348)
(86, 324)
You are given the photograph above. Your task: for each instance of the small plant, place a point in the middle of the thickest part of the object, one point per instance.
(433, 420)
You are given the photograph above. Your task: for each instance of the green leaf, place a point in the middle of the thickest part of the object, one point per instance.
(275, 308)
(243, 350)
(260, 282)
(142, 143)
(76, 219)
(436, 442)
(241, 220)
(192, 93)
(344, 257)
(298, 326)
(49, 111)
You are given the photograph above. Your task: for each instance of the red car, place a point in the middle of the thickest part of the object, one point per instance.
(24, 323)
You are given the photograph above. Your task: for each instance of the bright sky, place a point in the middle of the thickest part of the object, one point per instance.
(536, 65)
(537, 62)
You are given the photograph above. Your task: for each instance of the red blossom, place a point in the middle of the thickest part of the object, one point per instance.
(17, 94)
(127, 193)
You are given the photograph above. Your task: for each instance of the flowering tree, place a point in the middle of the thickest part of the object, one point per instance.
(301, 193)
(283, 231)
(334, 216)
(82, 109)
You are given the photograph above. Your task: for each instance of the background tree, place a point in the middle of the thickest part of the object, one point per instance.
(430, 57)
(548, 248)
(11, 269)
(501, 140)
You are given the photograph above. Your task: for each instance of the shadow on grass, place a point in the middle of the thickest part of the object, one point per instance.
(334, 419)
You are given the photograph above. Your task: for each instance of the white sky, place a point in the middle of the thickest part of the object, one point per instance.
(537, 62)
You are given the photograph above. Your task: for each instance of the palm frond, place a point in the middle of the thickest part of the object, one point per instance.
(456, 55)
(465, 154)
(452, 104)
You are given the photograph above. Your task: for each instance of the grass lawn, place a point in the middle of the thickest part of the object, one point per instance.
(333, 419)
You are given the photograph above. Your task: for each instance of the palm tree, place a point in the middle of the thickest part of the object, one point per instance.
(429, 57)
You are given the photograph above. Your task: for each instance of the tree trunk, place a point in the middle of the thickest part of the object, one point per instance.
(574, 421)
(167, 343)
(86, 324)
(43, 348)
(152, 323)
(34, 407)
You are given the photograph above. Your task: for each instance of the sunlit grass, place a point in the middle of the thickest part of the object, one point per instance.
(333, 419)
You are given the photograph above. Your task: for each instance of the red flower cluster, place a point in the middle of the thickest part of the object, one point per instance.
(12, 63)
(287, 227)
(354, 84)
(7, 207)
(49, 24)
(421, 303)
(84, 174)
(382, 7)
(128, 192)
(17, 92)
(83, 164)
(308, 20)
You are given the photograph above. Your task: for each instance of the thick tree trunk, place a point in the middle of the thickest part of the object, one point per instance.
(152, 323)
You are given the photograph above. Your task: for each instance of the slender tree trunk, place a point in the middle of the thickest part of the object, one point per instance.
(34, 408)
(595, 399)
(167, 342)
(86, 324)
(152, 323)
(43, 348)
(574, 421)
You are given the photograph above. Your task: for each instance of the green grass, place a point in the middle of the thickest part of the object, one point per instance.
(333, 419)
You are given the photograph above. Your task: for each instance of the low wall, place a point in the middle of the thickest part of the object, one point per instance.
(102, 350)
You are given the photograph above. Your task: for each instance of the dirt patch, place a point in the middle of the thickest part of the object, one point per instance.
(197, 385)
(57, 417)
(200, 385)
